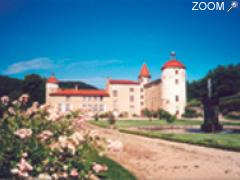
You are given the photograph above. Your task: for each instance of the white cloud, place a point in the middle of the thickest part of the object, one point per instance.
(33, 64)
(94, 63)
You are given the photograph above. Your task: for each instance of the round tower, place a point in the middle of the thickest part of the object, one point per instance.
(174, 86)
(51, 86)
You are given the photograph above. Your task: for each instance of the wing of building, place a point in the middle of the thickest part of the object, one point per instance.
(127, 96)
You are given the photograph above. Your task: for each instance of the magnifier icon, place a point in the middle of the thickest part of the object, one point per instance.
(234, 4)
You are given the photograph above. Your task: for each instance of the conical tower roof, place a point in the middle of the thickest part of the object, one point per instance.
(144, 72)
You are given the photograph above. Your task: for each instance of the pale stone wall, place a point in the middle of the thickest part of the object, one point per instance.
(143, 81)
(125, 100)
(71, 103)
(50, 88)
(153, 100)
(174, 90)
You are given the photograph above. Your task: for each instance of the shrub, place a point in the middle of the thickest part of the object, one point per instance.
(123, 114)
(233, 115)
(194, 103)
(229, 104)
(147, 113)
(96, 117)
(162, 114)
(111, 118)
(40, 143)
(191, 113)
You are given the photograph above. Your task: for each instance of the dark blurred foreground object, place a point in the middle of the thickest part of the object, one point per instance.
(211, 111)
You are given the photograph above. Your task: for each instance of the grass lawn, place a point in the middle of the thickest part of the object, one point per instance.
(218, 140)
(137, 123)
(115, 170)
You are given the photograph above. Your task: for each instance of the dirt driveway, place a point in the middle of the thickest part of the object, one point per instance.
(154, 159)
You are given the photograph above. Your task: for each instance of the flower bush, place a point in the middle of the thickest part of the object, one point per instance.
(38, 142)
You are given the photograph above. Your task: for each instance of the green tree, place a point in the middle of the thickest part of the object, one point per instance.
(225, 82)
(34, 86)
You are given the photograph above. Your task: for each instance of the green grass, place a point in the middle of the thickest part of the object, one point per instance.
(115, 170)
(218, 140)
(138, 123)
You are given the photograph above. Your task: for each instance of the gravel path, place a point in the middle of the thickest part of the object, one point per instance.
(155, 159)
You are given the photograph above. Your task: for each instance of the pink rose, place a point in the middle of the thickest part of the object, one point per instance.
(74, 173)
(23, 133)
(99, 168)
(5, 100)
(44, 135)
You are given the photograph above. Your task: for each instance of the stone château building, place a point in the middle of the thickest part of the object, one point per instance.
(127, 96)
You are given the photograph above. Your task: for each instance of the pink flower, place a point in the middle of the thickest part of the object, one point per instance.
(24, 98)
(77, 138)
(23, 168)
(74, 173)
(11, 111)
(5, 100)
(45, 135)
(66, 143)
(23, 133)
(15, 102)
(99, 168)
(25, 155)
(24, 165)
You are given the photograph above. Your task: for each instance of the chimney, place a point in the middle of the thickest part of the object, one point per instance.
(76, 86)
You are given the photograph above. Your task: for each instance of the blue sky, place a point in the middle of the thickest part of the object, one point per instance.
(91, 40)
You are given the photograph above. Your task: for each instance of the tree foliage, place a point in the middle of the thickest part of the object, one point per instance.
(225, 82)
(34, 85)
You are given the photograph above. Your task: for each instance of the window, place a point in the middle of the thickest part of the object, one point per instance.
(67, 107)
(115, 104)
(115, 93)
(141, 89)
(177, 98)
(176, 81)
(84, 105)
(101, 98)
(176, 71)
(142, 103)
(131, 89)
(101, 107)
(131, 98)
(95, 108)
(142, 96)
(59, 107)
(89, 106)
(67, 98)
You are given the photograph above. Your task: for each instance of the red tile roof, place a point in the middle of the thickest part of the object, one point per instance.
(79, 92)
(123, 82)
(173, 64)
(144, 72)
(52, 79)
